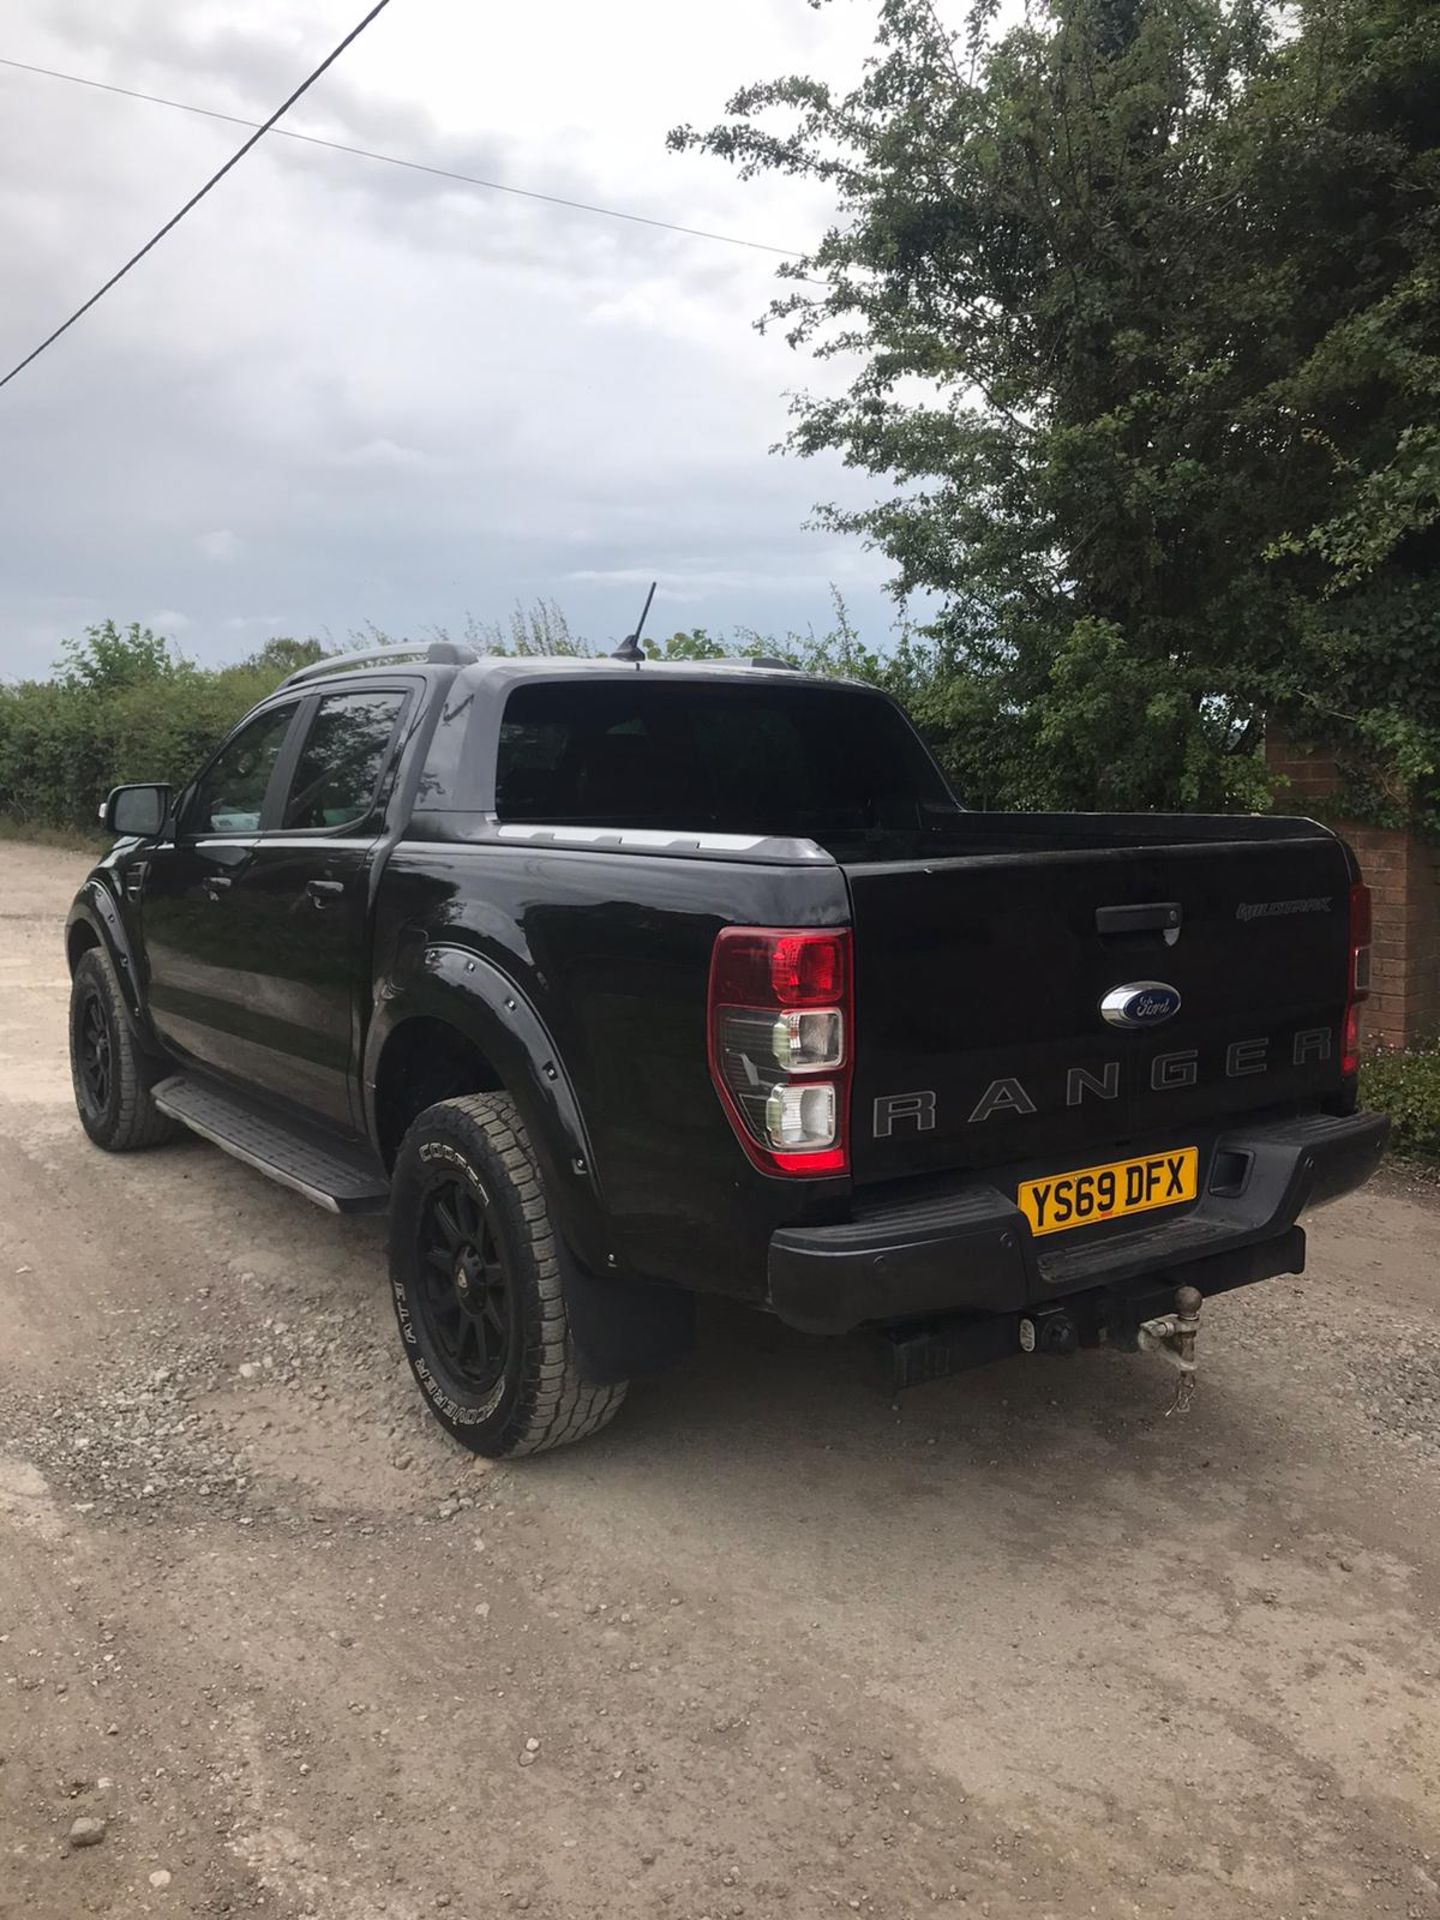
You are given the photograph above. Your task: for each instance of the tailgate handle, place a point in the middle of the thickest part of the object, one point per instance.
(1153, 916)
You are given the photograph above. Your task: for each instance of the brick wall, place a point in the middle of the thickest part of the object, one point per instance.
(1404, 877)
(1312, 776)
(1403, 873)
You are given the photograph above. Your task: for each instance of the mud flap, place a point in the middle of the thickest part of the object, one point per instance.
(622, 1327)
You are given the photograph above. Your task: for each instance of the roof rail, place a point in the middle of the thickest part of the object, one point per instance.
(437, 653)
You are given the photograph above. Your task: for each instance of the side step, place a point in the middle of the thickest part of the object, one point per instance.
(332, 1172)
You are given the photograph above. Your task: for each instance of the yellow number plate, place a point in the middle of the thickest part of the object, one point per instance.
(1109, 1192)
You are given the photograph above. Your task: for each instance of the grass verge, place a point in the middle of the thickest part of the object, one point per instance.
(63, 837)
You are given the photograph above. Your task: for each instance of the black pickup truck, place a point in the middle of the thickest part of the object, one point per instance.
(618, 984)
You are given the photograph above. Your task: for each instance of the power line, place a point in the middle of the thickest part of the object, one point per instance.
(195, 198)
(412, 166)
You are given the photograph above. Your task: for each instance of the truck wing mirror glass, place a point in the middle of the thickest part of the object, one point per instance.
(139, 810)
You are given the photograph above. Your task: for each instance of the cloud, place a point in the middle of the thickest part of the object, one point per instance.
(358, 393)
(263, 622)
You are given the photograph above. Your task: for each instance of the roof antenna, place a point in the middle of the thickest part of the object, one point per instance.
(629, 649)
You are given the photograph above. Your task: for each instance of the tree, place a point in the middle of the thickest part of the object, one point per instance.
(1142, 299)
(283, 656)
(1354, 192)
(108, 658)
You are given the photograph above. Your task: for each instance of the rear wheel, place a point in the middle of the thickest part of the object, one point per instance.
(111, 1076)
(477, 1284)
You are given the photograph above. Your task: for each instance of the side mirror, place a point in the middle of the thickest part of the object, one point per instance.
(137, 810)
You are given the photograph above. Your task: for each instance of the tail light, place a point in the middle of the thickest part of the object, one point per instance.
(781, 1029)
(1357, 986)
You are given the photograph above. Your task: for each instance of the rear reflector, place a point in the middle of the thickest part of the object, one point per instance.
(780, 1022)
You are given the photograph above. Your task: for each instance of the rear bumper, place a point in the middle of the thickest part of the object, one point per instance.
(970, 1251)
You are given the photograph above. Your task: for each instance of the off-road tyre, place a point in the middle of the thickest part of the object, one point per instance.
(111, 1076)
(468, 1163)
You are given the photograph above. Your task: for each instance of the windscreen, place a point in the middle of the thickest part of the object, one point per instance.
(810, 761)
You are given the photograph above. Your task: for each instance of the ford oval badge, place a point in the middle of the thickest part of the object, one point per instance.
(1144, 1003)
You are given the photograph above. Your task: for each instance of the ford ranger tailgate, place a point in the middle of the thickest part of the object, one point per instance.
(980, 976)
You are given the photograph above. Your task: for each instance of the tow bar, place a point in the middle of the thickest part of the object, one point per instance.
(1173, 1336)
(1124, 1318)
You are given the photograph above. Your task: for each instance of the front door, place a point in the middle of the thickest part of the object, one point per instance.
(195, 926)
(269, 985)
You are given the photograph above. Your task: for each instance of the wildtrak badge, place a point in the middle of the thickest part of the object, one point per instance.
(1282, 909)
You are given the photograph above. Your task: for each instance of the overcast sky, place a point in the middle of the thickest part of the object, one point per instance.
(341, 392)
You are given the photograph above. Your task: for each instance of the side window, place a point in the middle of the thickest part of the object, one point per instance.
(230, 793)
(338, 773)
(528, 780)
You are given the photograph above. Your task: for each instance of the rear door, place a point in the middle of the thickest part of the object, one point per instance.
(981, 1035)
(288, 951)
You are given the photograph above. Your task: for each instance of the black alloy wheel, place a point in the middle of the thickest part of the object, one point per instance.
(465, 1286)
(93, 1054)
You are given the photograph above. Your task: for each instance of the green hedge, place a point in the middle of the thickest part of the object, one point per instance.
(121, 708)
(1407, 1087)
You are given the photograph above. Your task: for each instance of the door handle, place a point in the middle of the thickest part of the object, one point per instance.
(1152, 916)
(322, 892)
(214, 884)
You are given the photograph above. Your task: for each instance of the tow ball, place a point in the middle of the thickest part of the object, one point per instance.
(1172, 1335)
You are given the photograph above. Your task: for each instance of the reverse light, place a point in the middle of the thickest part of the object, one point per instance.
(796, 1041)
(780, 1019)
(1357, 980)
(801, 1117)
